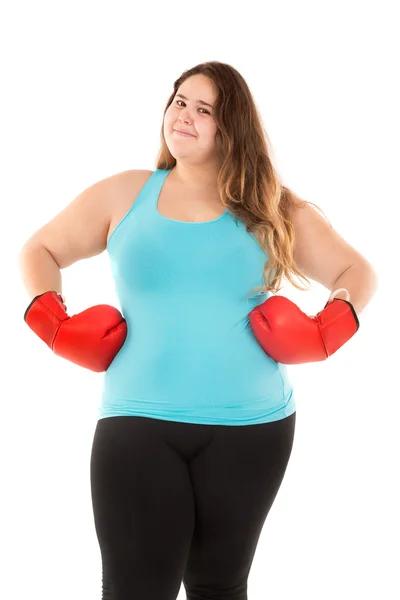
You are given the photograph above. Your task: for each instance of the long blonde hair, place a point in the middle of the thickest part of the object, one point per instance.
(248, 184)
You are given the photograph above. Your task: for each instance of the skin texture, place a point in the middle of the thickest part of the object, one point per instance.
(197, 158)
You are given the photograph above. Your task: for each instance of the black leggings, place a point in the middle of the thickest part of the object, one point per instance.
(183, 502)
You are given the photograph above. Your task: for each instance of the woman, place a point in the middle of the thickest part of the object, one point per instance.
(197, 419)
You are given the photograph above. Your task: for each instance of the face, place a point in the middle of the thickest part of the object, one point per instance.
(191, 116)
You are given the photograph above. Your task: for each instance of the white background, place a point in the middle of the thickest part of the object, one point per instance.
(84, 85)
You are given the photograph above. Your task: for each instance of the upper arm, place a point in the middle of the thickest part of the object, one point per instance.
(320, 253)
(80, 230)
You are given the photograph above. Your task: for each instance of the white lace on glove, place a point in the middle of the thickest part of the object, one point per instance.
(333, 294)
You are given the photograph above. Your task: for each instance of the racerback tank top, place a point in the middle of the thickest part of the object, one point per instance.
(190, 354)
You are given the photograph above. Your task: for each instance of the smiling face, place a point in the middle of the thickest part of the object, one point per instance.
(193, 114)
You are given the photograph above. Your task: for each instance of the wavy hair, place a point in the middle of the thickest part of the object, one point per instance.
(248, 183)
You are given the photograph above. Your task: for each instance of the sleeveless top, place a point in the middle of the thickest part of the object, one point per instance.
(184, 289)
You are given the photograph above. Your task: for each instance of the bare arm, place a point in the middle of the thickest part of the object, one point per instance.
(39, 271)
(324, 256)
(78, 232)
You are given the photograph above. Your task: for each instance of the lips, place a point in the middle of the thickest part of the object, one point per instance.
(184, 132)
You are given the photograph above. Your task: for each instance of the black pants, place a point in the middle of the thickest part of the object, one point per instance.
(183, 502)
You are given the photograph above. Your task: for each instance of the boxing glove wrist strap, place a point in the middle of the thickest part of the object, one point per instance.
(45, 314)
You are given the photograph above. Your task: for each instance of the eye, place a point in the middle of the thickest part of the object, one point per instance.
(199, 109)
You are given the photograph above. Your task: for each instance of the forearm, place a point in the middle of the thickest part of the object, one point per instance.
(361, 282)
(39, 271)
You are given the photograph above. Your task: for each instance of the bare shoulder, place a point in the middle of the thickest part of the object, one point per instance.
(130, 179)
(82, 228)
(134, 174)
(125, 187)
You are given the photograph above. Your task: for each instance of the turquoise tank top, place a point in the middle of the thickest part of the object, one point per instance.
(184, 289)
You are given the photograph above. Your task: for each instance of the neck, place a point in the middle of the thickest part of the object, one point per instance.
(196, 177)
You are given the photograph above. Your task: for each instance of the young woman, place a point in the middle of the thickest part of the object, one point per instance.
(197, 418)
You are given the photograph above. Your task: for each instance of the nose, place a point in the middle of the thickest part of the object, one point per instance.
(184, 116)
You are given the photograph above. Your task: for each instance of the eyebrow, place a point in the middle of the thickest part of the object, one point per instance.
(198, 101)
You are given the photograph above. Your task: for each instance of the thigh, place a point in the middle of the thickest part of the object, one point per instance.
(143, 510)
(235, 481)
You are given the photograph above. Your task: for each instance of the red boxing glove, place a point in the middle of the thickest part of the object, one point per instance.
(90, 339)
(291, 337)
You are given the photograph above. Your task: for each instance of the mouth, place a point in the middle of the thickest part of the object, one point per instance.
(178, 132)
